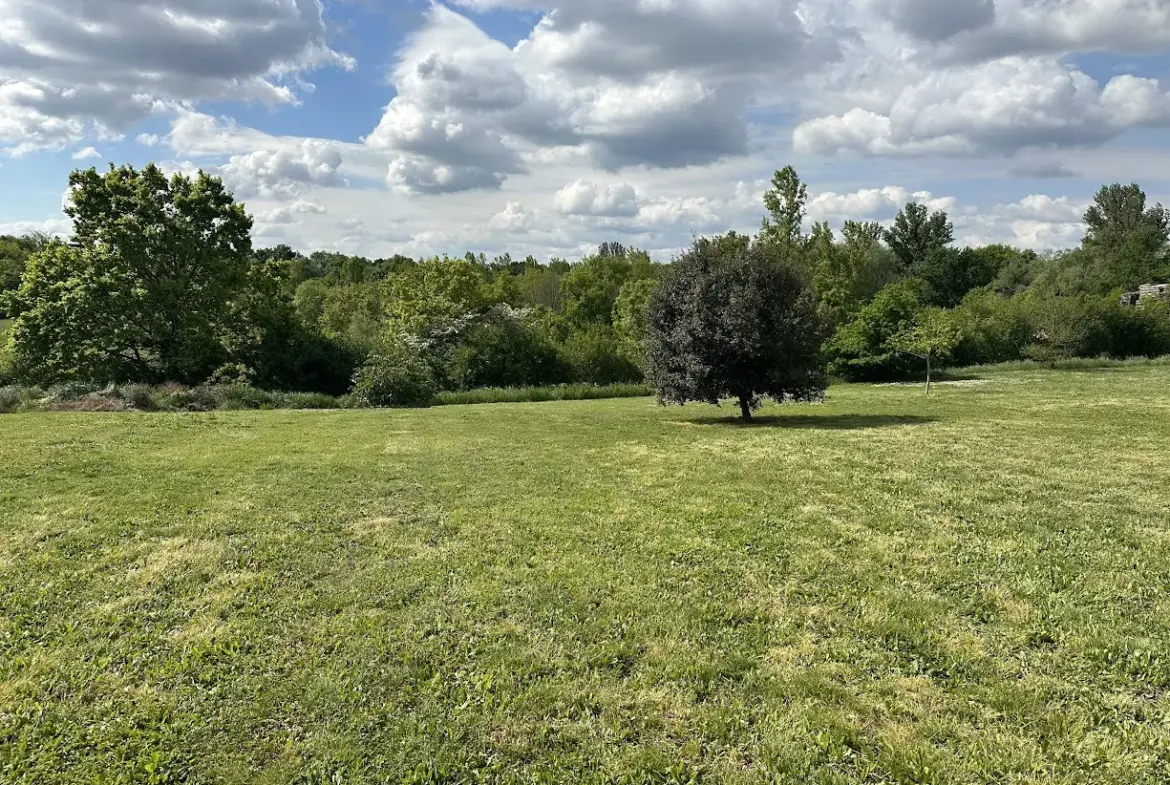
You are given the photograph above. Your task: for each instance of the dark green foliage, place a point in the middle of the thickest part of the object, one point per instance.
(1126, 239)
(1015, 268)
(862, 350)
(160, 284)
(916, 235)
(950, 273)
(736, 322)
(1049, 329)
(595, 356)
(502, 350)
(14, 254)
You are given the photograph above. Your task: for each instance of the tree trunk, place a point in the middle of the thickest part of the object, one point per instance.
(928, 373)
(745, 406)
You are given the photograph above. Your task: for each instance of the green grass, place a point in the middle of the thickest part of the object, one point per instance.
(571, 392)
(973, 588)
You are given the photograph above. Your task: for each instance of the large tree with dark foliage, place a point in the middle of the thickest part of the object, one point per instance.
(734, 319)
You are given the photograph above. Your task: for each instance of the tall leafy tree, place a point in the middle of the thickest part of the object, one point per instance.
(1127, 238)
(436, 291)
(861, 350)
(916, 234)
(848, 274)
(733, 320)
(950, 273)
(158, 282)
(786, 203)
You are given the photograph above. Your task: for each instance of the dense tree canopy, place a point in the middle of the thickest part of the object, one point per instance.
(159, 283)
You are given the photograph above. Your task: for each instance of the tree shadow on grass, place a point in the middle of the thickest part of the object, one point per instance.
(820, 422)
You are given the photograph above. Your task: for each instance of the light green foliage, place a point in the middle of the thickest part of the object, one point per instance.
(786, 202)
(355, 315)
(932, 338)
(560, 392)
(435, 291)
(157, 284)
(848, 274)
(880, 589)
(309, 302)
(590, 289)
(540, 287)
(630, 315)
(994, 329)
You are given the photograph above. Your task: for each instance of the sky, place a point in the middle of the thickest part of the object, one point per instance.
(546, 127)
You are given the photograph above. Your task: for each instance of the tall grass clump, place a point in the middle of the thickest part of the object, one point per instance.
(1069, 364)
(569, 392)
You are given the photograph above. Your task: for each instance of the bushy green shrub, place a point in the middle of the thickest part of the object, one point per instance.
(244, 397)
(9, 400)
(231, 374)
(395, 376)
(595, 356)
(71, 391)
(502, 350)
(862, 349)
(140, 397)
(7, 362)
(994, 329)
(312, 401)
(1143, 331)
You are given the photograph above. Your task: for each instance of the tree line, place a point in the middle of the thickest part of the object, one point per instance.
(159, 282)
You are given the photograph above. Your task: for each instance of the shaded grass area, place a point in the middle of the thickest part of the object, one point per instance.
(971, 588)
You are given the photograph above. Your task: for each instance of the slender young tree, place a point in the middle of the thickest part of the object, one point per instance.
(786, 202)
(933, 339)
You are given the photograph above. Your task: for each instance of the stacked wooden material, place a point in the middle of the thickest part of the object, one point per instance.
(1154, 291)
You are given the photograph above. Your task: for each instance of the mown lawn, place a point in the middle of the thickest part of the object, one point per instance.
(973, 588)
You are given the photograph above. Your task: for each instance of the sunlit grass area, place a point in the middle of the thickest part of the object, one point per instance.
(968, 588)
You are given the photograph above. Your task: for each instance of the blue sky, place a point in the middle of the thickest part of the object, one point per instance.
(549, 126)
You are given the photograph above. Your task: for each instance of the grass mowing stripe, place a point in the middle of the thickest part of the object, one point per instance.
(884, 588)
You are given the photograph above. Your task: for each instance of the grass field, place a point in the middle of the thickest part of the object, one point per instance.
(973, 588)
